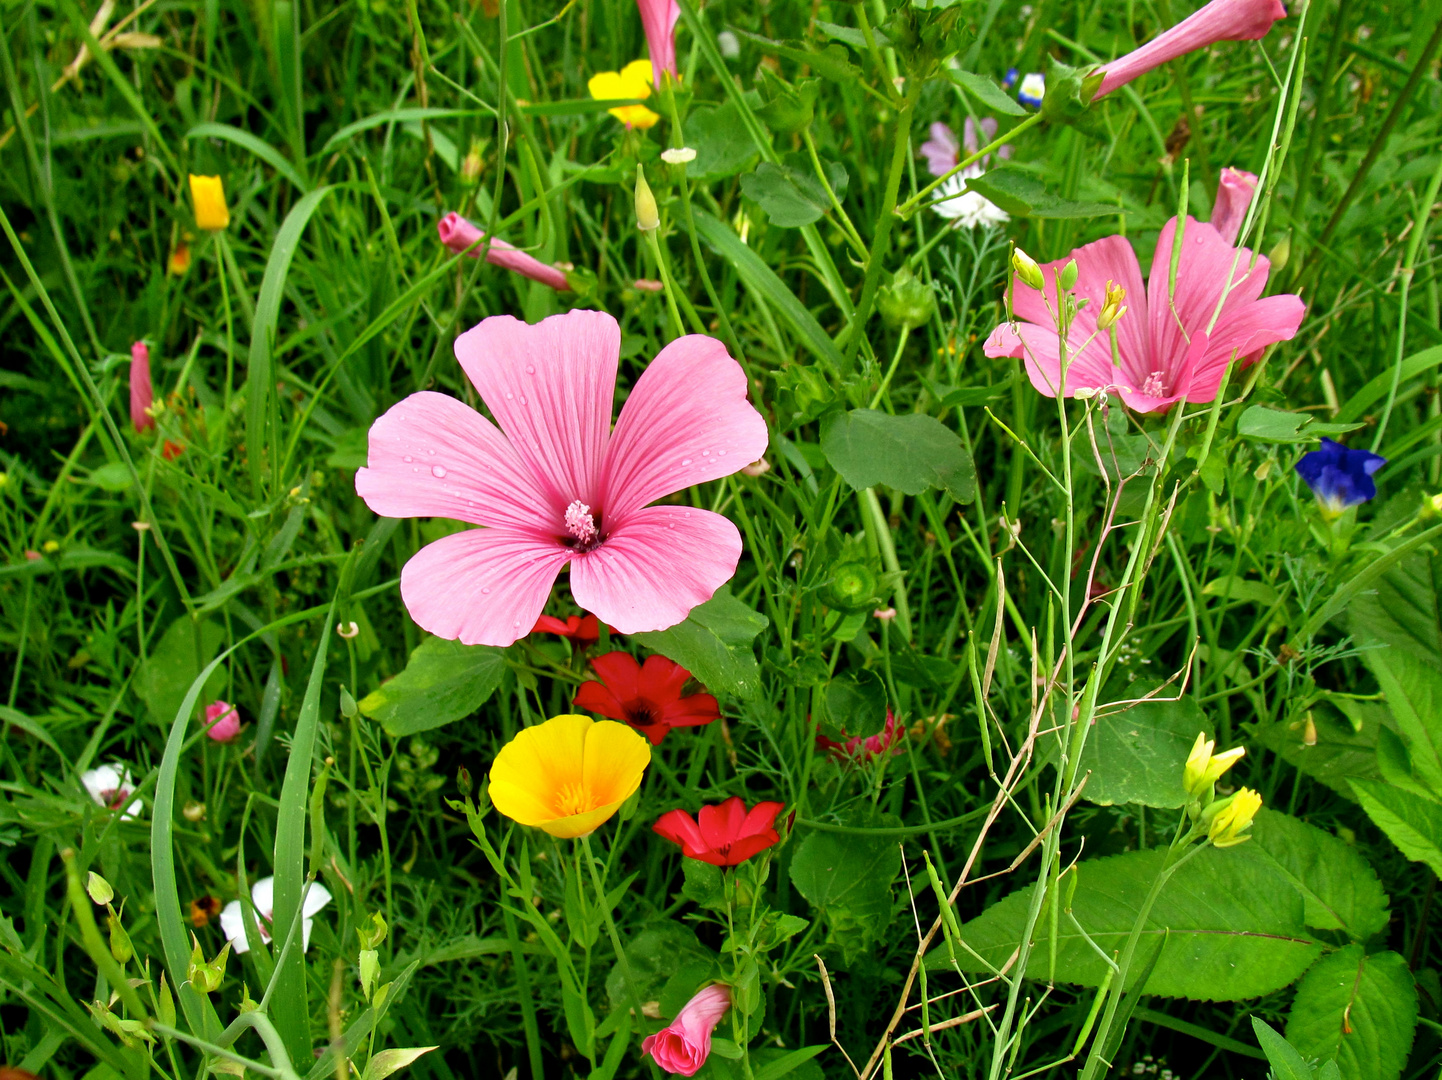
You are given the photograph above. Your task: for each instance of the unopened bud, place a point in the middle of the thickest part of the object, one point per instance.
(471, 165)
(99, 889)
(647, 216)
(1279, 255)
(1026, 269)
(206, 977)
(1231, 817)
(120, 946)
(1068, 275)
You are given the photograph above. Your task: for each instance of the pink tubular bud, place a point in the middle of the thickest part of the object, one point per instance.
(141, 395)
(1235, 190)
(458, 234)
(682, 1048)
(1220, 20)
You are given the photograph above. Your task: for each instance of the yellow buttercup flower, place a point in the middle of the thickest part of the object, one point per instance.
(1233, 818)
(208, 194)
(1203, 768)
(632, 81)
(568, 775)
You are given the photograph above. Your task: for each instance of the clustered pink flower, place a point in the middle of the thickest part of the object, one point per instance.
(1168, 348)
(683, 1046)
(1220, 20)
(554, 484)
(141, 394)
(459, 235)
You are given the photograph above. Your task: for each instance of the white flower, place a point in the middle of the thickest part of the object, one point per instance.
(111, 786)
(262, 895)
(678, 155)
(966, 208)
(729, 44)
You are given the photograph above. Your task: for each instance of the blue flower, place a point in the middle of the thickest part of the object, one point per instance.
(1340, 477)
(1009, 80)
(1033, 89)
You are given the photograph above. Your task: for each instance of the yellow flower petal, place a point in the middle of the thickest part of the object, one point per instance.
(637, 74)
(208, 195)
(632, 81)
(616, 756)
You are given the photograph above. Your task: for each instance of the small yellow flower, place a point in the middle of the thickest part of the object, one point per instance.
(1233, 818)
(50, 547)
(179, 260)
(1203, 768)
(632, 81)
(568, 775)
(208, 194)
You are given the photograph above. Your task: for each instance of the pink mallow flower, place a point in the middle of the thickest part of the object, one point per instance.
(458, 234)
(1165, 349)
(1220, 20)
(682, 1048)
(1166, 352)
(658, 19)
(1235, 189)
(556, 485)
(141, 395)
(222, 721)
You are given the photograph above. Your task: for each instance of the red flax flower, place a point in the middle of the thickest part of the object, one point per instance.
(646, 696)
(583, 630)
(722, 835)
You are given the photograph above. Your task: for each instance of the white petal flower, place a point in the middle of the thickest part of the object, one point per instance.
(678, 155)
(729, 44)
(262, 896)
(111, 786)
(966, 208)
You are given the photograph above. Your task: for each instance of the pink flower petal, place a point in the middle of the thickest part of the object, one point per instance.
(1037, 347)
(658, 20)
(940, 150)
(550, 387)
(655, 567)
(687, 421)
(141, 395)
(433, 456)
(459, 235)
(482, 586)
(1247, 332)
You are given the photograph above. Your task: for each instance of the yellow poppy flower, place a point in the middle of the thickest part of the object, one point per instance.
(568, 775)
(632, 81)
(208, 194)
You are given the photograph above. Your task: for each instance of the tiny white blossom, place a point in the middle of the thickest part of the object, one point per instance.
(966, 208)
(112, 787)
(729, 44)
(678, 155)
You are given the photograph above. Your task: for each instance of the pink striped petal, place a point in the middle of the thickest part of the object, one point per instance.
(1037, 347)
(687, 421)
(1245, 333)
(655, 567)
(550, 387)
(433, 456)
(1235, 189)
(482, 586)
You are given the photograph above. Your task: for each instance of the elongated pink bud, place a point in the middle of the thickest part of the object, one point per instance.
(1221, 20)
(658, 19)
(458, 234)
(141, 395)
(683, 1047)
(1234, 194)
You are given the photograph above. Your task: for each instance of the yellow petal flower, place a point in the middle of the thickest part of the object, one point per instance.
(568, 775)
(1204, 768)
(1234, 818)
(208, 194)
(632, 81)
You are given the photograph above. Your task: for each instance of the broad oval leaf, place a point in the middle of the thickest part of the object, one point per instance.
(911, 452)
(714, 644)
(443, 682)
(1357, 1010)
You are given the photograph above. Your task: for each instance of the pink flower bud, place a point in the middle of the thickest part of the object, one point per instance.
(1220, 20)
(682, 1048)
(458, 234)
(223, 721)
(141, 395)
(1234, 194)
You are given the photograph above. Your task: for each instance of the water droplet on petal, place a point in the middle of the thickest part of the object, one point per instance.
(704, 453)
(509, 395)
(720, 453)
(523, 400)
(685, 461)
(486, 590)
(438, 472)
(431, 452)
(530, 369)
(408, 459)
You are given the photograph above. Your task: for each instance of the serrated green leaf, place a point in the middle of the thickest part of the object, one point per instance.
(911, 452)
(1232, 930)
(790, 193)
(848, 876)
(1411, 822)
(714, 644)
(723, 145)
(1136, 756)
(1286, 1062)
(1357, 1010)
(444, 681)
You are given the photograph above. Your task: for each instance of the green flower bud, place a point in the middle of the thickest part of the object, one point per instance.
(1027, 269)
(907, 301)
(853, 587)
(648, 217)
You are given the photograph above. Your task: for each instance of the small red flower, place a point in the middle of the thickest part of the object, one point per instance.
(648, 697)
(583, 630)
(171, 450)
(722, 835)
(858, 749)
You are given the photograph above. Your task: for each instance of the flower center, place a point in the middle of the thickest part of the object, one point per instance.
(572, 799)
(1153, 387)
(582, 526)
(115, 798)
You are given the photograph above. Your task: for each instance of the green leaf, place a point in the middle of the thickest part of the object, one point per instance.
(790, 193)
(762, 280)
(1022, 194)
(655, 955)
(112, 476)
(714, 644)
(1136, 756)
(702, 884)
(856, 704)
(788, 1062)
(1378, 388)
(1286, 1062)
(1357, 1010)
(1411, 822)
(911, 452)
(1341, 753)
(386, 1062)
(986, 92)
(255, 145)
(1240, 588)
(1262, 424)
(1339, 889)
(1232, 930)
(444, 681)
(173, 664)
(848, 877)
(723, 145)
(1413, 689)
